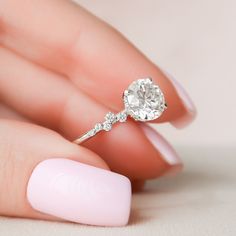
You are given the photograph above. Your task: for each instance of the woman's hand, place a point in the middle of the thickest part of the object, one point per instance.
(62, 68)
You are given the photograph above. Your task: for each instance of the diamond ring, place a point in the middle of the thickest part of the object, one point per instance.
(143, 101)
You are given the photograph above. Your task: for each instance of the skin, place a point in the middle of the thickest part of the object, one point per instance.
(50, 69)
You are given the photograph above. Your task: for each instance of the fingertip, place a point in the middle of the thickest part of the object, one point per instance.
(167, 152)
(174, 170)
(189, 111)
(184, 120)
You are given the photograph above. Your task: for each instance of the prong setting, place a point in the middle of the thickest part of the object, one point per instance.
(143, 101)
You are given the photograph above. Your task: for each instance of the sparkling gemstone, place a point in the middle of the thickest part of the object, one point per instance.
(144, 100)
(92, 132)
(107, 126)
(122, 116)
(98, 127)
(111, 117)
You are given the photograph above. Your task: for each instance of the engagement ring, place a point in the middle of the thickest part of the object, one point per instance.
(143, 101)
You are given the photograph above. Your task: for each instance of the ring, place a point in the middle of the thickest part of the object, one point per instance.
(143, 101)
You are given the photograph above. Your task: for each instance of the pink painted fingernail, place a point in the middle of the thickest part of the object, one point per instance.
(191, 113)
(167, 152)
(80, 193)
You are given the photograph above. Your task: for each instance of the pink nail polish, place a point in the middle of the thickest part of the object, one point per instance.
(163, 147)
(183, 121)
(80, 193)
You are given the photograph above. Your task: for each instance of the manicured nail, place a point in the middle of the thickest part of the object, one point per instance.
(182, 121)
(167, 152)
(80, 193)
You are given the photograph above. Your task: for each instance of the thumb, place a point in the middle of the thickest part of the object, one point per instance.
(44, 176)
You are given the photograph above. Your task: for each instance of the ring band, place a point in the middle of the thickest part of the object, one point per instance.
(143, 101)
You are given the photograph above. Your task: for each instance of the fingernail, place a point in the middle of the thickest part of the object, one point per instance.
(80, 193)
(189, 116)
(167, 152)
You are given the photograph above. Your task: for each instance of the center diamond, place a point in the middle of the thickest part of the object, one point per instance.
(144, 100)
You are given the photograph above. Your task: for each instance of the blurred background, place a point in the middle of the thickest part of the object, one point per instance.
(195, 42)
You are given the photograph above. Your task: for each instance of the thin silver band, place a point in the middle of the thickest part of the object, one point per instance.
(143, 101)
(110, 120)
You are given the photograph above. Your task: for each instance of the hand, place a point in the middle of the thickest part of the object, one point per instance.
(61, 70)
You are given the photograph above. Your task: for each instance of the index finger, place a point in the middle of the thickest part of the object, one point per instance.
(66, 38)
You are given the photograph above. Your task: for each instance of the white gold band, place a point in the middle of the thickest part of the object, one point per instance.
(110, 119)
(143, 101)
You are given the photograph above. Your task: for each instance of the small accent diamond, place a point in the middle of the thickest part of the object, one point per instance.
(122, 117)
(98, 127)
(107, 126)
(92, 132)
(110, 117)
